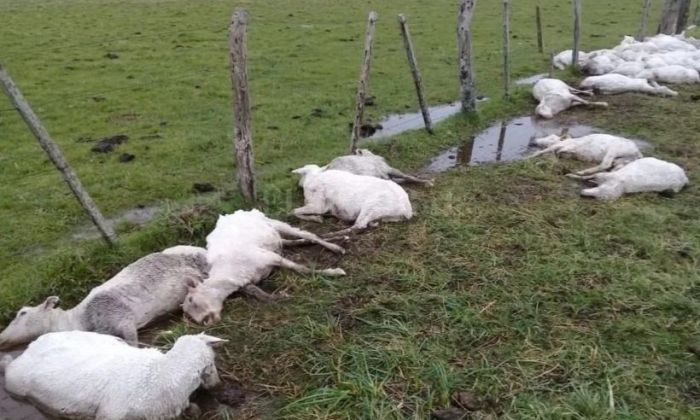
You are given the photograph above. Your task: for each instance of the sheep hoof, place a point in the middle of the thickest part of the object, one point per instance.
(335, 272)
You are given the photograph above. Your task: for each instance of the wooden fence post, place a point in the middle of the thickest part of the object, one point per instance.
(551, 64)
(696, 20)
(506, 48)
(466, 65)
(645, 20)
(674, 16)
(243, 136)
(577, 33)
(363, 83)
(56, 156)
(540, 40)
(417, 79)
(683, 16)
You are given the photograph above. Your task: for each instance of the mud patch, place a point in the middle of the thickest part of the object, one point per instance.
(506, 141)
(139, 216)
(107, 144)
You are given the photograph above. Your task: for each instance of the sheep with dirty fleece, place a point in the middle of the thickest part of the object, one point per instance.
(617, 83)
(242, 250)
(604, 148)
(364, 162)
(556, 96)
(147, 289)
(81, 375)
(643, 175)
(364, 200)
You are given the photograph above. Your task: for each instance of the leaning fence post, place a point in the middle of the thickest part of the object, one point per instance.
(243, 136)
(363, 82)
(56, 156)
(417, 79)
(466, 65)
(506, 48)
(577, 33)
(645, 20)
(540, 40)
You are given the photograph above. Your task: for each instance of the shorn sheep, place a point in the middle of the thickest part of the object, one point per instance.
(85, 375)
(242, 250)
(643, 175)
(364, 162)
(364, 200)
(147, 289)
(604, 148)
(617, 83)
(556, 96)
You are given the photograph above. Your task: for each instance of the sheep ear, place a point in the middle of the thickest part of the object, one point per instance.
(212, 341)
(51, 302)
(299, 170)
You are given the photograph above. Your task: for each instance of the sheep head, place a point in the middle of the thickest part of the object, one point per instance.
(202, 304)
(29, 323)
(306, 170)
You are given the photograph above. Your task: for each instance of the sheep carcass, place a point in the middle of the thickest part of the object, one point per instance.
(364, 162)
(242, 250)
(617, 83)
(565, 58)
(643, 175)
(149, 288)
(673, 74)
(81, 375)
(556, 96)
(604, 148)
(361, 199)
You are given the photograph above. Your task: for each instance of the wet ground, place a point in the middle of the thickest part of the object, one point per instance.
(12, 409)
(398, 123)
(139, 215)
(506, 141)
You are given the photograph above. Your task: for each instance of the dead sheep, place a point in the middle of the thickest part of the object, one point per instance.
(81, 375)
(556, 96)
(617, 83)
(242, 250)
(643, 175)
(364, 162)
(145, 290)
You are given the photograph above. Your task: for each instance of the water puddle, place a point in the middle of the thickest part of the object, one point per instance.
(506, 141)
(139, 215)
(398, 123)
(531, 80)
(11, 408)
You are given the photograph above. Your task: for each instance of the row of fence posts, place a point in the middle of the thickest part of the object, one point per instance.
(673, 20)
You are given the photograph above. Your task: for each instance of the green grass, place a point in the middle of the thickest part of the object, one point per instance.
(506, 283)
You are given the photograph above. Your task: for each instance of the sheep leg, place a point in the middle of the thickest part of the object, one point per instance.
(308, 212)
(606, 164)
(395, 173)
(285, 229)
(576, 100)
(553, 148)
(580, 92)
(302, 269)
(257, 293)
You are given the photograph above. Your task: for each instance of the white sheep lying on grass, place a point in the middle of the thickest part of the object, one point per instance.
(364, 162)
(617, 83)
(147, 289)
(556, 96)
(85, 375)
(242, 250)
(643, 175)
(674, 74)
(604, 148)
(364, 200)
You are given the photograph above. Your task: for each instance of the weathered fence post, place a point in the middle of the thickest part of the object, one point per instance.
(540, 40)
(362, 85)
(551, 64)
(696, 20)
(243, 136)
(417, 79)
(466, 65)
(577, 33)
(674, 16)
(506, 48)
(683, 16)
(645, 20)
(56, 156)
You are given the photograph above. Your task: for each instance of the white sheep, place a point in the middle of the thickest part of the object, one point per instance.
(604, 148)
(147, 289)
(556, 96)
(364, 162)
(364, 200)
(565, 58)
(81, 375)
(643, 175)
(673, 74)
(242, 250)
(617, 83)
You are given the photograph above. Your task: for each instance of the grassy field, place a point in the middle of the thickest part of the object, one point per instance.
(506, 285)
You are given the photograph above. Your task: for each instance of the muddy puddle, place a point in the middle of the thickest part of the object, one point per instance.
(506, 141)
(11, 408)
(531, 80)
(398, 123)
(139, 215)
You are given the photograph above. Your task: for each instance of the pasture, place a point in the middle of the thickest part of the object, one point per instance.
(505, 285)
